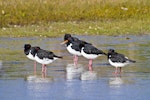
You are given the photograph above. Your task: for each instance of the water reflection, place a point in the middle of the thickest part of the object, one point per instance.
(38, 88)
(74, 69)
(39, 79)
(89, 75)
(116, 81)
(74, 72)
(1, 64)
(101, 85)
(71, 76)
(79, 72)
(119, 81)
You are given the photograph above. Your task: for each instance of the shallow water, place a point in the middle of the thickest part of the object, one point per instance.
(18, 82)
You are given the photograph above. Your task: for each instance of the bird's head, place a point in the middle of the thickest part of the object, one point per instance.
(67, 38)
(27, 46)
(111, 50)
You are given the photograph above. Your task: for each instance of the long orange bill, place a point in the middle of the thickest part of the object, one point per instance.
(64, 42)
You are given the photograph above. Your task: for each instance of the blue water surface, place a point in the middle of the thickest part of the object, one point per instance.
(18, 81)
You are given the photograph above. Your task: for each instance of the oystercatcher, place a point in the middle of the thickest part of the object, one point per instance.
(118, 60)
(72, 44)
(90, 52)
(45, 57)
(30, 53)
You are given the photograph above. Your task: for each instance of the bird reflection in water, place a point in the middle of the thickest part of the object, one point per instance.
(116, 81)
(74, 72)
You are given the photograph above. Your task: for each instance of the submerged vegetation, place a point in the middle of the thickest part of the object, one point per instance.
(56, 17)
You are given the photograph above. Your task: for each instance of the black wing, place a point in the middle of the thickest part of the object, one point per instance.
(34, 50)
(45, 54)
(75, 39)
(76, 46)
(116, 57)
(90, 49)
(76, 43)
(80, 41)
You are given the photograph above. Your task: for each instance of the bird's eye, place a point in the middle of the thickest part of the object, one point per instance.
(109, 55)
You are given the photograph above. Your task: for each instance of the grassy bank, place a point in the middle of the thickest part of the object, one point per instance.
(56, 17)
(116, 27)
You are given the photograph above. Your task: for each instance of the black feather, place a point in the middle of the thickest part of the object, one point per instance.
(90, 49)
(116, 57)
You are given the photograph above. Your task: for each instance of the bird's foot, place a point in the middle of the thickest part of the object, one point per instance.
(115, 73)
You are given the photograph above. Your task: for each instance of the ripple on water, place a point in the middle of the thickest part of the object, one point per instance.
(132, 85)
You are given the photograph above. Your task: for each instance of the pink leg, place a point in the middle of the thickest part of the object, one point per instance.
(116, 71)
(90, 65)
(43, 68)
(34, 67)
(43, 75)
(75, 60)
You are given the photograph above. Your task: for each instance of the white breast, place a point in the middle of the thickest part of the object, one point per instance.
(72, 51)
(30, 56)
(88, 56)
(44, 60)
(117, 64)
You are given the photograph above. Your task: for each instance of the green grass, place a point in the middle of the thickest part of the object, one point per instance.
(116, 27)
(56, 17)
(7, 54)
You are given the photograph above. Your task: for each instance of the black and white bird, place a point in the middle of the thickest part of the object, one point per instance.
(118, 60)
(45, 57)
(30, 53)
(90, 52)
(72, 45)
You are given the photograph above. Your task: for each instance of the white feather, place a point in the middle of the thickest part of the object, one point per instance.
(72, 51)
(117, 64)
(88, 56)
(30, 56)
(44, 60)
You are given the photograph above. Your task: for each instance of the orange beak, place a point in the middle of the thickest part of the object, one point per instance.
(64, 42)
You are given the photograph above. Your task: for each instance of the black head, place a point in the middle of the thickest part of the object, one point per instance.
(67, 36)
(111, 50)
(70, 39)
(27, 46)
(67, 39)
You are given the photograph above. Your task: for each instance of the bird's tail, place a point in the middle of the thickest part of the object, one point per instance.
(102, 53)
(58, 56)
(105, 53)
(132, 61)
